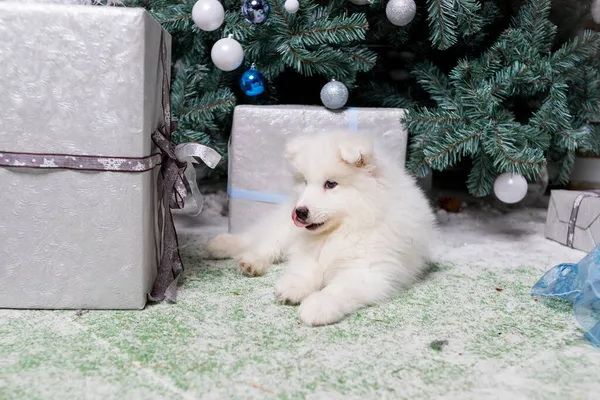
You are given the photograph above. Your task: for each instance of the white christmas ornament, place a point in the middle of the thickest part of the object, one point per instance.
(227, 54)
(208, 15)
(291, 6)
(400, 12)
(510, 188)
(360, 2)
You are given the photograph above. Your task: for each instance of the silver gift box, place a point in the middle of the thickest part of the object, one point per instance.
(574, 219)
(78, 80)
(259, 177)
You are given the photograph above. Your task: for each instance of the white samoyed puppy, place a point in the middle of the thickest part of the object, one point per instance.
(356, 230)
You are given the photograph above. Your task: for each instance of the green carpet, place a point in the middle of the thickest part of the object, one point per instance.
(226, 338)
(468, 330)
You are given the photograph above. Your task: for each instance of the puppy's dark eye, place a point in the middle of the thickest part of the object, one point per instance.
(330, 184)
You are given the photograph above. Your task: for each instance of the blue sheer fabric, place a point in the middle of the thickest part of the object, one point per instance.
(580, 284)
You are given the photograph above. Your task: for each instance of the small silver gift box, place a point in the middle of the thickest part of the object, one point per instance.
(259, 177)
(574, 219)
(78, 81)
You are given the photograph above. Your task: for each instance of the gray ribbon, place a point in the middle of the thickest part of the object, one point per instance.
(172, 190)
(575, 212)
(176, 171)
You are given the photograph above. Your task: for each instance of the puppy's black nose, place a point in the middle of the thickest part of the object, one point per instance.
(302, 213)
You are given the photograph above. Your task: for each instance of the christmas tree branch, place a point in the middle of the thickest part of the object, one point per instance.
(468, 19)
(531, 159)
(364, 59)
(442, 23)
(325, 61)
(481, 177)
(436, 84)
(534, 23)
(208, 107)
(451, 148)
(337, 30)
(575, 52)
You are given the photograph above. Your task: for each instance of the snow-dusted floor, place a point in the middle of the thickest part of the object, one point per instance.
(227, 338)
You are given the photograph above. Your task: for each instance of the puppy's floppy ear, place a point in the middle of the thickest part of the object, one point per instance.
(293, 147)
(357, 150)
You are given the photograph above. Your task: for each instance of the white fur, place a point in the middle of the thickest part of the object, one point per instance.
(375, 239)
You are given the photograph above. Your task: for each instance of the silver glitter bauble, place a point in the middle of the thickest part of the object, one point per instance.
(400, 12)
(334, 95)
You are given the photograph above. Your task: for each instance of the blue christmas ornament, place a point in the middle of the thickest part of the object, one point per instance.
(255, 11)
(252, 82)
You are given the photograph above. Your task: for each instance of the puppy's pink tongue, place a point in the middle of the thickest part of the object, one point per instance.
(296, 222)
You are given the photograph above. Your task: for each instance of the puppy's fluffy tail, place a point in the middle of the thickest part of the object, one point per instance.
(227, 245)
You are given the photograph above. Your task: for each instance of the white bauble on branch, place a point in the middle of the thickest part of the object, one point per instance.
(227, 54)
(510, 188)
(401, 12)
(208, 15)
(291, 6)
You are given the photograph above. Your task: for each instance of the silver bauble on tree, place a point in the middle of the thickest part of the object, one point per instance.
(401, 12)
(334, 95)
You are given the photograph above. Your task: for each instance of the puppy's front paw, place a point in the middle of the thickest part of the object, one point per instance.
(253, 265)
(321, 309)
(292, 290)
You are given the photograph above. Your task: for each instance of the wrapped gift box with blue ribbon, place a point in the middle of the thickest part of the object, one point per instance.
(259, 177)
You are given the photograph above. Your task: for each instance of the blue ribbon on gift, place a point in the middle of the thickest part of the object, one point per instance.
(255, 195)
(277, 198)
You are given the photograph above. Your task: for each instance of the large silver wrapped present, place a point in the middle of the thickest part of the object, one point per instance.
(75, 82)
(259, 177)
(574, 219)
